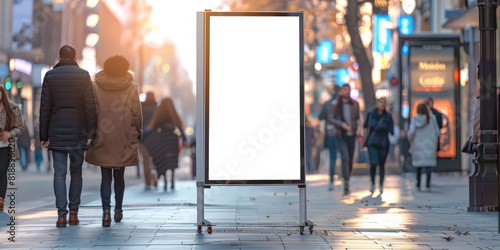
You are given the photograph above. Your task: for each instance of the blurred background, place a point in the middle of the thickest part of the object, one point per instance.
(158, 37)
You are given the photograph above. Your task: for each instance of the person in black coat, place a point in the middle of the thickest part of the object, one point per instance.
(379, 124)
(439, 117)
(68, 121)
(163, 132)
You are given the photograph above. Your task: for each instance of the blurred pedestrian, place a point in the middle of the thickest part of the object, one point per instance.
(309, 142)
(11, 126)
(68, 121)
(38, 145)
(379, 124)
(330, 133)
(148, 109)
(439, 117)
(24, 145)
(163, 144)
(423, 135)
(346, 118)
(118, 131)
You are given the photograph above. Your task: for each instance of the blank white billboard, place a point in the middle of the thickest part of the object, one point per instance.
(254, 98)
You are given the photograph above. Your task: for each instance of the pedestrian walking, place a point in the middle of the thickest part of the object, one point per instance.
(148, 109)
(423, 135)
(118, 131)
(346, 118)
(11, 126)
(439, 117)
(24, 146)
(379, 124)
(309, 142)
(330, 133)
(163, 142)
(68, 121)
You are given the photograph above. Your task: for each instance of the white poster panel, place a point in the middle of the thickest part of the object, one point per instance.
(254, 81)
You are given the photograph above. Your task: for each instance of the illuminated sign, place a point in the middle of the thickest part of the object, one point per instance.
(342, 76)
(382, 33)
(406, 25)
(431, 65)
(324, 52)
(432, 74)
(20, 65)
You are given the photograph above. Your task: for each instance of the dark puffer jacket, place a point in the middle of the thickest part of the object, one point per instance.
(68, 110)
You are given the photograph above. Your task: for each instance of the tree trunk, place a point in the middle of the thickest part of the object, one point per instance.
(359, 51)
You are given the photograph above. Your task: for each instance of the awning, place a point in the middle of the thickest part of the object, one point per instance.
(469, 18)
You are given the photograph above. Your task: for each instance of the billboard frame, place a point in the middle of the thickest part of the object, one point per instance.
(202, 119)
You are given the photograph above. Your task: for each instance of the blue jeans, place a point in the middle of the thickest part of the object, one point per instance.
(331, 143)
(346, 146)
(75, 187)
(378, 156)
(107, 176)
(428, 171)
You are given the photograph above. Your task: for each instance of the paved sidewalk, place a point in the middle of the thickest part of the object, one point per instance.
(265, 217)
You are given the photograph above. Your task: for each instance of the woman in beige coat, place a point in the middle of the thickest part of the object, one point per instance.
(119, 128)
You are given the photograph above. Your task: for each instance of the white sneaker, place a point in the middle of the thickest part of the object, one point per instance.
(330, 186)
(372, 188)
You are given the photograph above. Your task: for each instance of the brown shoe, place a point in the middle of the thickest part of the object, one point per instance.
(106, 218)
(118, 215)
(73, 218)
(61, 221)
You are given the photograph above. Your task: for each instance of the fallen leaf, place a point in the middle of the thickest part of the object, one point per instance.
(419, 207)
(452, 229)
(429, 207)
(275, 194)
(289, 234)
(343, 224)
(467, 233)
(366, 205)
(447, 227)
(252, 198)
(285, 193)
(268, 216)
(325, 232)
(290, 204)
(362, 201)
(402, 207)
(307, 200)
(449, 238)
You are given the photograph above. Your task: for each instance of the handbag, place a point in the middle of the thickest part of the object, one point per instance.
(13, 150)
(370, 134)
(468, 147)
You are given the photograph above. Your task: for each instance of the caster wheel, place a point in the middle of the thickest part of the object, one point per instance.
(209, 230)
(301, 229)
(199, 229)
(310, 230)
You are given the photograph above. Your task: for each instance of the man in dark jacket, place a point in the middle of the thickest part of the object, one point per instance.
(346, 118)
(330, 132)
(148, 109)
(68, 121)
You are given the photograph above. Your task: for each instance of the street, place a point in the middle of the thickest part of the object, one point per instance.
(266, 217)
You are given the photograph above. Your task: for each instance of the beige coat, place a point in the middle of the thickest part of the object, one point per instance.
(119, 122)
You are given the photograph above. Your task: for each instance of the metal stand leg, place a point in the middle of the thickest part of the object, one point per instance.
(304, 222)
(200, 206)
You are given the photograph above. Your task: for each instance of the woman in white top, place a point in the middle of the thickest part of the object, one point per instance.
(423, 135)
(11, 126)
